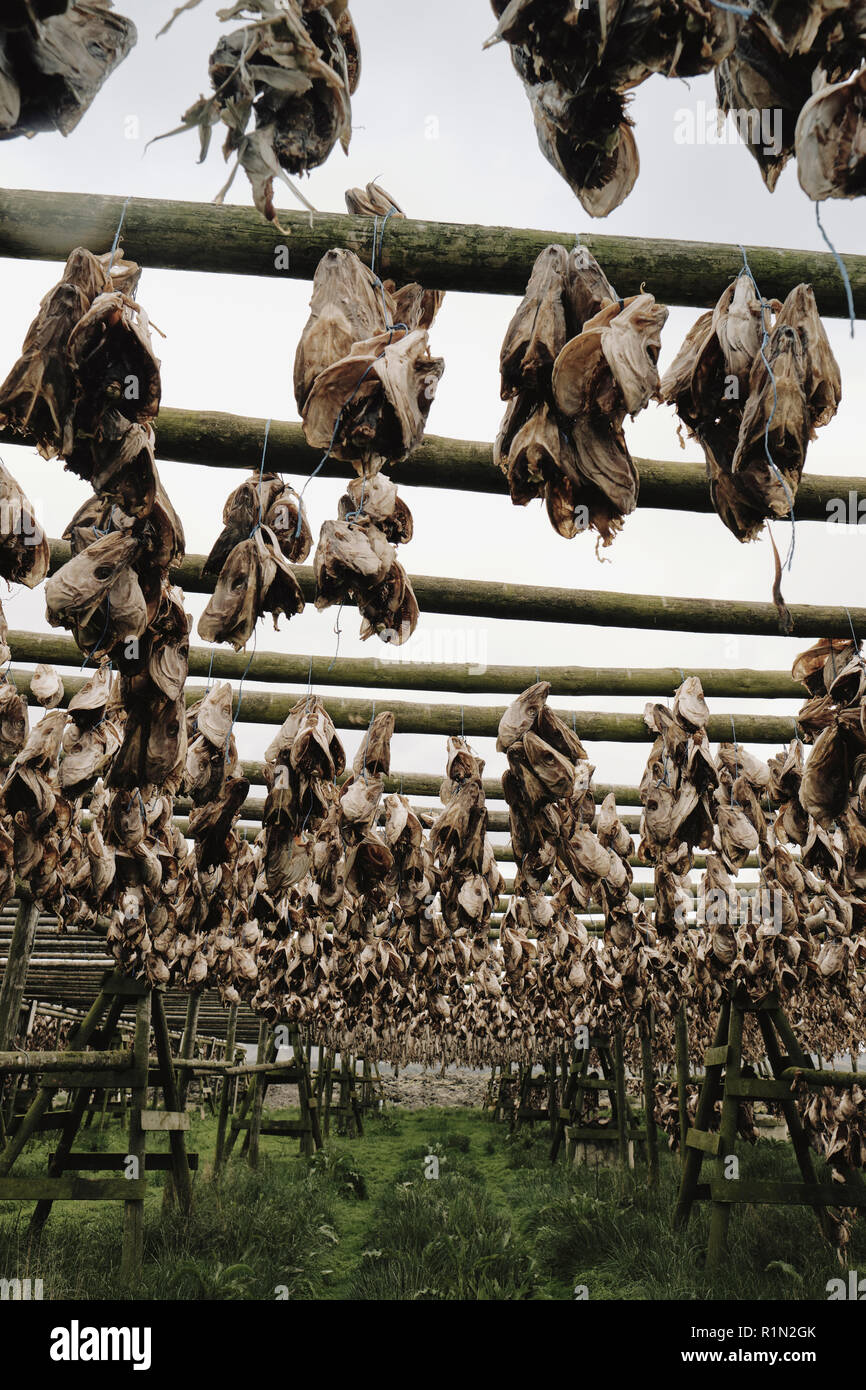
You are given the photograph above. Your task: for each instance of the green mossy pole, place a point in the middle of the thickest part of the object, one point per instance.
(417, 717)
(621, 1107)
(15, 973)
(233, 240)
(133, 1211)
(187, 1046)
(682, 1058)
(646, 1052)
(225, 1090)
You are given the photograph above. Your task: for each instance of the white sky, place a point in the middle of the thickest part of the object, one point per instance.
(231, 340)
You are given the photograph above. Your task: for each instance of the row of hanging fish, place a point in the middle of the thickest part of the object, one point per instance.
(788, 74)
(54, 57)
(364, 381)
(292, 71)
(576, 360)
(752, 383)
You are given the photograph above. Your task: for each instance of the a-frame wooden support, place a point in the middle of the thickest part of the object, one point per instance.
(81, 1071)
(251, 1117)
(625, 1128)
(724, 1081)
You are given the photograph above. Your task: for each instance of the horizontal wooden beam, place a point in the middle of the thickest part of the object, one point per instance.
(217, 440)
(284, 668)
(265, 707)
(235, 240)
(21, 1063)
(474, 598)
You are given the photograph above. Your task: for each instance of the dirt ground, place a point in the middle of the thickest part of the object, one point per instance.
(412, 1090)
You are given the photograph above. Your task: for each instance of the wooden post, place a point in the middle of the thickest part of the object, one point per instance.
(646, 1051)
(177, 1182)
(264, 1052)
(133, 1211)
(15, 974)
(45, 1094)
(710, 1092)
(186, 235)
(721, 1211)
(187, 1047)
(682, 1048)
(621, 1108)
(225, 1091)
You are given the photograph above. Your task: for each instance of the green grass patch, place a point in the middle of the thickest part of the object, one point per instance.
(364, 1220)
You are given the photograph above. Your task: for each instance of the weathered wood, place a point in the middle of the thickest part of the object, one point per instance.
(681, 1035)
(179, 1184)
(225, 1090)
(161, 1121)
(769, 1026)
(813, 1077)
(234, 240)
(282, 668)
(61, 1062)
(29, 1122)
(716, 1056)
(482, 598)
(709, 1094)
(15, 973)
(266, 1052)
(648, 1071)
(757, 1088)
(187, 1046)
(133, 1212)
(759, 1190)
(699, 1139)
(106, 1162)
(265, 707)
(218, 440)
(721, 1213)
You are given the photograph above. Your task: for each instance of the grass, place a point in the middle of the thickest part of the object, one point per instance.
(363, 1221)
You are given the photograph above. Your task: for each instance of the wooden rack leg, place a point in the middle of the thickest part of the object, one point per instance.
(646, 1052)
(269, 1054)
(682, 1047)
(789, 1109)
(329, 1090)
(15, 974)
(82, 1098)
(225, 1091)
(181, 1183)
(720, 1215)
(710, 1093)
(621, 1106)
(45, 1095)
(187, 1046)
(133, 1211)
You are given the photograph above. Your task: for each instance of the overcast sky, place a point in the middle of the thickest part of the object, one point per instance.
(447, 129)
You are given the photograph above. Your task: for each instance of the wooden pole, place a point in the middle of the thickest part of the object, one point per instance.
(646, 1052)
(475, 598)
(43, 1098)
(682, 1054)
(177, 1182)
(15, 973)
(225, 1090)
(266, 707)
(265, 1052)
(233, 240)
(217, 440)
(621, 1107)
(133, 1211)
(187, 1047)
